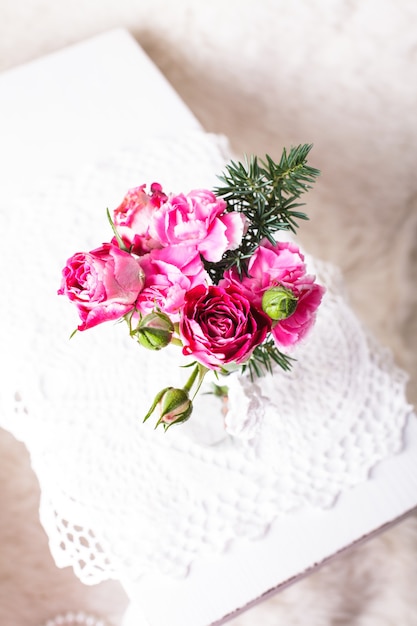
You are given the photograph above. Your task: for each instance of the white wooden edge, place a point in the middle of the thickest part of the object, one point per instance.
(220, 587)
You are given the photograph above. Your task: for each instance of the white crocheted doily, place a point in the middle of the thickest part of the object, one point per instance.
(120, 499)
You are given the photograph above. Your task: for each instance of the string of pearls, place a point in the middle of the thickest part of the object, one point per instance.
(75, 619)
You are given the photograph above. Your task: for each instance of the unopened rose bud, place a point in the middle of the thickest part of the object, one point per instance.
(279, 303)
(155, 331)
(175, 407)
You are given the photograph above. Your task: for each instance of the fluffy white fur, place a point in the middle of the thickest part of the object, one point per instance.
(267, 74)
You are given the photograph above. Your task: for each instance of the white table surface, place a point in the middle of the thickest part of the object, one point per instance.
(66, 108)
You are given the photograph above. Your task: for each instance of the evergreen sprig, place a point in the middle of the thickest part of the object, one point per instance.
(267, 193)
(263, 358)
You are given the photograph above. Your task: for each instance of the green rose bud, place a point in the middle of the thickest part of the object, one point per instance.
(155, 331)
(279, 303)
(174, 406)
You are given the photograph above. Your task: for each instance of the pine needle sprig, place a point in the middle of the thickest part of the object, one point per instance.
(267, 193)
(263, 358)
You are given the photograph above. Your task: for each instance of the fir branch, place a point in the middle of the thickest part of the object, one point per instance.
(267, 193)
(263, 357)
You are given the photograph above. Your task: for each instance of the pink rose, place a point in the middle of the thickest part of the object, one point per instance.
(220, 326)
(169, 274)
(198, 218)
(134, 215)
(289, 331)
(281, 265)
(103, 284)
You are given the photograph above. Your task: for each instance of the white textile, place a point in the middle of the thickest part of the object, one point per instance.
(120, 499)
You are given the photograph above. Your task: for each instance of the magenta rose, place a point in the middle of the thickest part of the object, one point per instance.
(134, 215)
(103, 284)
(220, 326)
(281, 265)
(169, 274)
(198, 218)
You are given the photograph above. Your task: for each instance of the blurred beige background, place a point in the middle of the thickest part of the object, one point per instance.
(267, 74)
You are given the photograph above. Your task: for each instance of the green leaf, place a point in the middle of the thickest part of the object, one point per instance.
(120, 241)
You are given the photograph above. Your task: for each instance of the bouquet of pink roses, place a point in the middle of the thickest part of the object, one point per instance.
(203, 270)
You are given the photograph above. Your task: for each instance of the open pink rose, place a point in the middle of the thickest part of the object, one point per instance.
(281, 265)
(169, 274)
(198, 218)
(220, 326)
(134, 215)
(103, 284)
